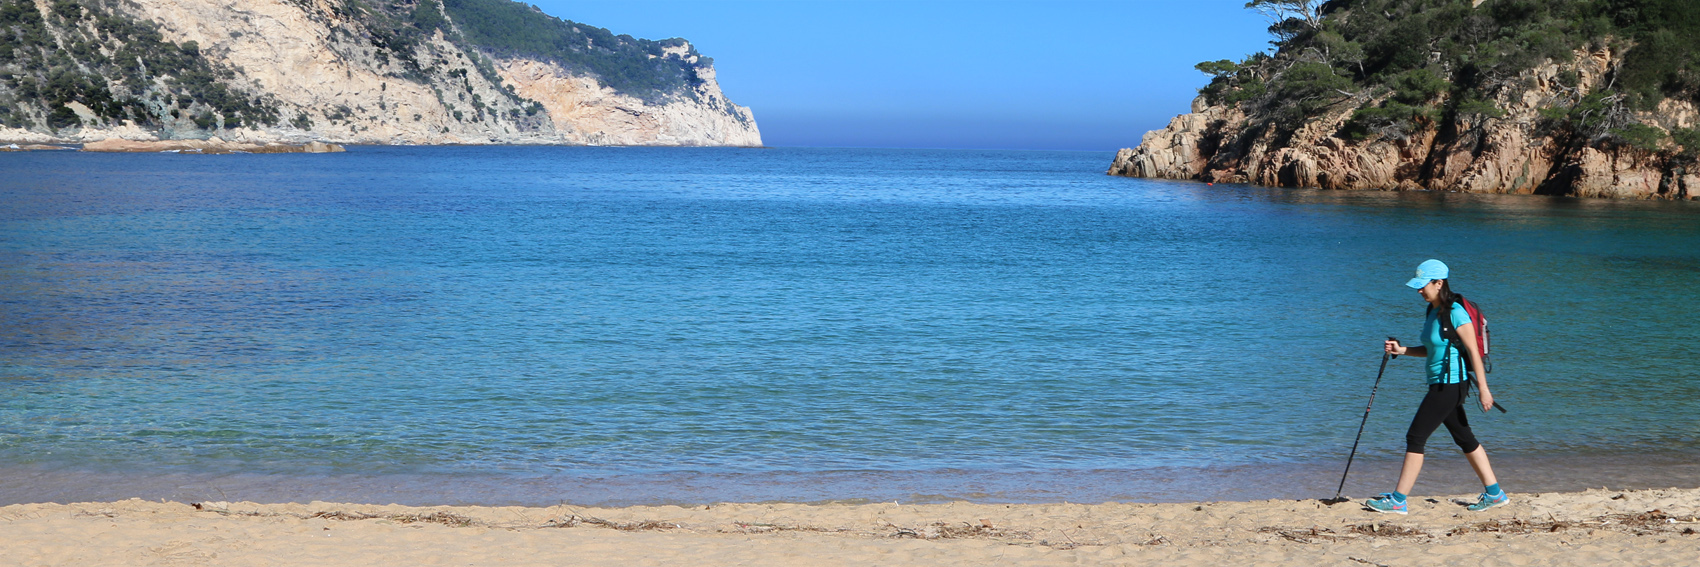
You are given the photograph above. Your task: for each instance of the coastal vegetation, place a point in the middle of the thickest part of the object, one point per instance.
(649, 69)
(1590, 98)
(71, 64)
(85, 53)
(507, 29)
(1403, 66)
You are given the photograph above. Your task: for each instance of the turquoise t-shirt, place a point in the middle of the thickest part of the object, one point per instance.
(1437, 347)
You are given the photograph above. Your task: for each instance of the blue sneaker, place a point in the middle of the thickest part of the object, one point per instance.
(1386, 504)
(1484, 501)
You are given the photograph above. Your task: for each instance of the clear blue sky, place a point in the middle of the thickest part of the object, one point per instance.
(1075, 75)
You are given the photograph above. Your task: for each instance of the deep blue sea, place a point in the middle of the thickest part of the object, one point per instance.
(617, 325)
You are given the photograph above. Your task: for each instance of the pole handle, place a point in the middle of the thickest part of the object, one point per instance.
(1395, 341)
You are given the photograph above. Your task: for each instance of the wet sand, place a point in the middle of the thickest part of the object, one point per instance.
(1444, 473)
(1595, 527)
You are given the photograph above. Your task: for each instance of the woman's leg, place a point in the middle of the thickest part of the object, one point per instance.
(1408, 474)
(1437, 406)
(1492, 496)
(1479, 461)
(1458, 423)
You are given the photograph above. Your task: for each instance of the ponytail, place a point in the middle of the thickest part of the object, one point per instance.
(1447, 298)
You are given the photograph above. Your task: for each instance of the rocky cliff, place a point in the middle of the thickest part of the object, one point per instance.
(348, 71)
(1558, 124)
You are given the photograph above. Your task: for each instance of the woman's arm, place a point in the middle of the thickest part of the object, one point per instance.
(1393, 348)
(1473, 357)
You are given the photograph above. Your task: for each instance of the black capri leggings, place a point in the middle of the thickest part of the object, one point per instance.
(1443, 404)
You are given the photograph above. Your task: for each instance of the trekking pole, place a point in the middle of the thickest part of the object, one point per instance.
(1384, 356)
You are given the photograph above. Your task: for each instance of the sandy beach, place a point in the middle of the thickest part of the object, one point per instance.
(1596, 527)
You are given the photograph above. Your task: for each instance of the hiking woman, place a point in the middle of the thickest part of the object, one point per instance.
(1447, 389)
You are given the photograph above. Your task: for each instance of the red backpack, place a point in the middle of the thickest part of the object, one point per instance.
(1450, 334)
(1481, 327)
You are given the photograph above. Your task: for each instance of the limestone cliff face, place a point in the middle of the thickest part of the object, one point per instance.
(1518, 152)
(586, 112)
(330, 76)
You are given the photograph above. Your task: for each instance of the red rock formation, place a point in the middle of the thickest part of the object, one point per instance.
(1515, 153)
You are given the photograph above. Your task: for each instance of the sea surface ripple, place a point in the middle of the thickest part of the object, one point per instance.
(621, 325)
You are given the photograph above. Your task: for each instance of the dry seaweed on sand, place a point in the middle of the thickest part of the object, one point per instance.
(957, 530)
(985, 530)
(1302, 535)
(443, 518)
(1386, 530)
(1644, 523)
(753, 528)
(575, 520)
(1320, 534)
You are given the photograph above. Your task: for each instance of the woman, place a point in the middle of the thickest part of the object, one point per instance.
(1446, 391)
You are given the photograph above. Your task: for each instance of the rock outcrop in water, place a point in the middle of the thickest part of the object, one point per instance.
(1316, 114)
(349, 71)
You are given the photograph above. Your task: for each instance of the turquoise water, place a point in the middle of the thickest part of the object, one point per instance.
(616, 325)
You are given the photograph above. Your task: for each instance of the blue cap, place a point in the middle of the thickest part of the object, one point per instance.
(1428, 271)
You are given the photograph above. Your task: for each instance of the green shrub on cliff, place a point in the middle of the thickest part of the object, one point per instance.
(639, 67)
(1219, 69)
(1399, 115)
(1478, 107)
(1425, 59)
(503, 28)
(1249, 89)
(1233, 82)
(1418, 86)
(1308, 88)
(1688, 139)
(1664, 59)
(1640, 136)
(49, 62)
(1391, 119)
(427, 17)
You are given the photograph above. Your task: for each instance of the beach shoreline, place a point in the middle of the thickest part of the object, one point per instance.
(1598, 526)
(1446, 473)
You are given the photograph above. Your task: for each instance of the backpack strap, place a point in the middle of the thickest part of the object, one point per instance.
(1447, 330)
(1449, 333)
